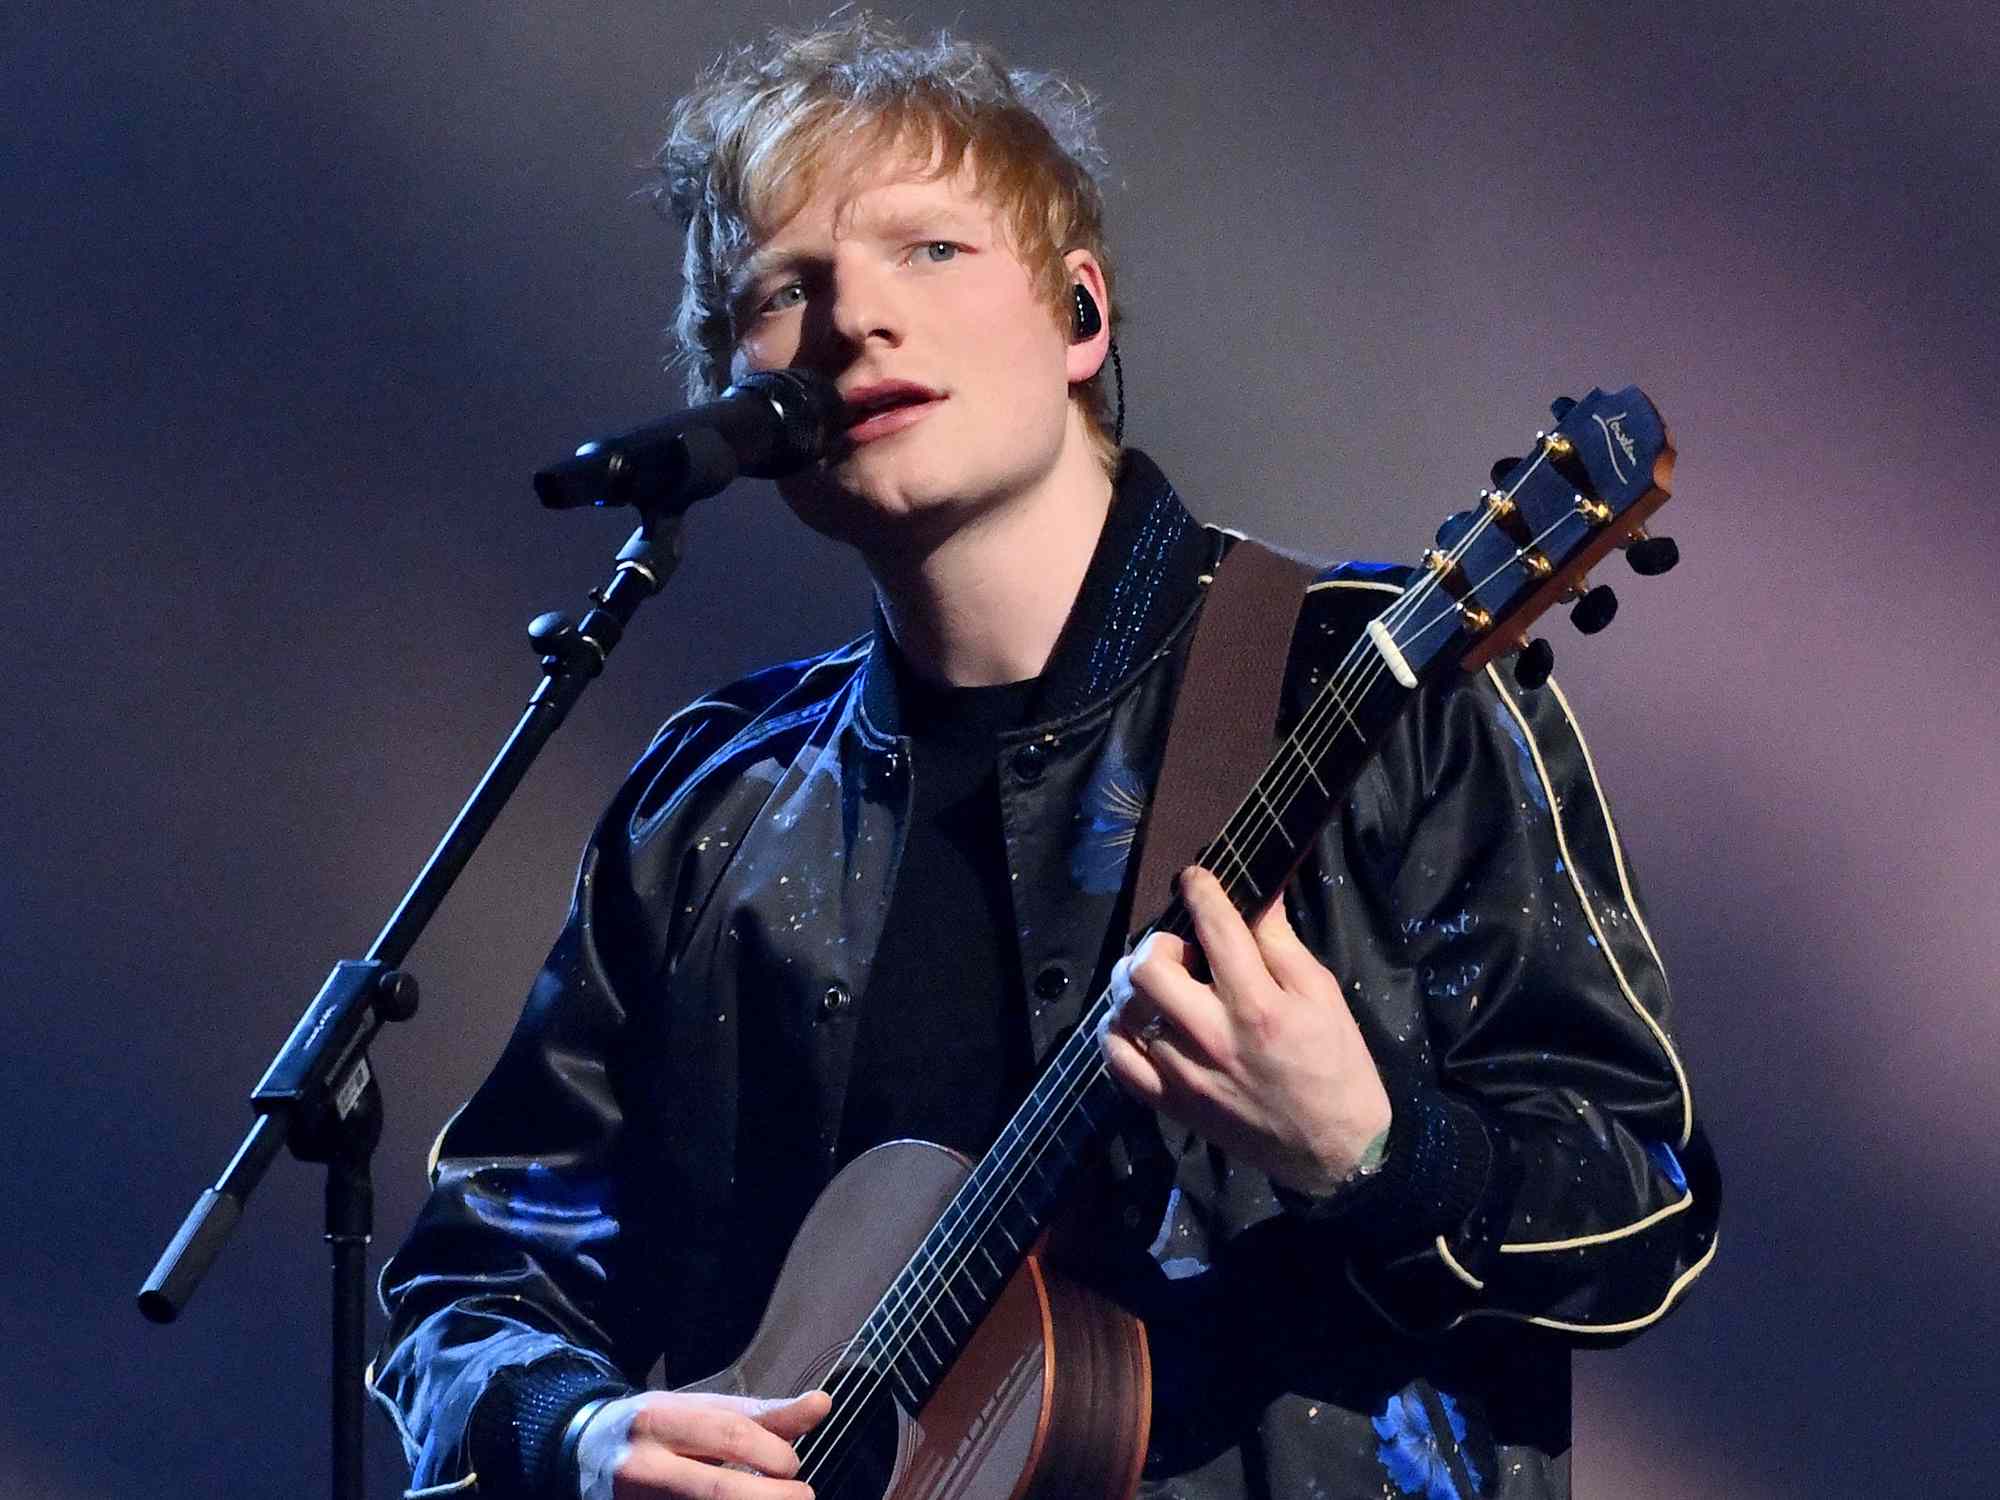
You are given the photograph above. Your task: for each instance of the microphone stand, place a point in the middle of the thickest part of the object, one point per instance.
(320, 1097)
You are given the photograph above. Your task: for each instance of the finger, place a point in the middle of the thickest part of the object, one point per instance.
(1286, 956)
(718, 1428)
(1224, 936)
(792, 1419)
(1129, 1066)
(1176, 1084)
(1186, 1080)
(1163, 950)
(1170, 947)
(1130, 1010)
(1162, 987)
(657, 1474)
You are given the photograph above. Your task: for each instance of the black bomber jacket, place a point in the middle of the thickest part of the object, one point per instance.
(619, 1194)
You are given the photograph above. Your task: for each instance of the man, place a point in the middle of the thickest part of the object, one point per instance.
(1416, 1134)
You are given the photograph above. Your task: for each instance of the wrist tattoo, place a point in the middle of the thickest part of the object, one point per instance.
(1372, 1156)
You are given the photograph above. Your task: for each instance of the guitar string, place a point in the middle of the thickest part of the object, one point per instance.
(1041, 1131)
(891, 1340)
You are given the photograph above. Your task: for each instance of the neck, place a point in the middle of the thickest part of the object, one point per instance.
(985, 603)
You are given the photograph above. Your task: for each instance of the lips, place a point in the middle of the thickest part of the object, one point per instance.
(883, 407)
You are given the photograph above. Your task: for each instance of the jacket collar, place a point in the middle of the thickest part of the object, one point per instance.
(1144, 577)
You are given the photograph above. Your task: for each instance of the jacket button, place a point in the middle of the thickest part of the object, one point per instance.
(1052, 981)
(836, 999)
(1030, 761)
(885, 768)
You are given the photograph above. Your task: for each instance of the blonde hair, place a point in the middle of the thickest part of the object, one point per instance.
(746, 147)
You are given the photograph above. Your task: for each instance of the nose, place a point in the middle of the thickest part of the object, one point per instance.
(864, 307)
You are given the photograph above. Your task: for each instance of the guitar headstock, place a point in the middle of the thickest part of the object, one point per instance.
(1587, 487)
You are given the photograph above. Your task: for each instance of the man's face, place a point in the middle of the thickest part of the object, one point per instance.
(909, 295)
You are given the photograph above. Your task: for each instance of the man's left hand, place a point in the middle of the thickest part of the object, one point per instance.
(1264, 1059)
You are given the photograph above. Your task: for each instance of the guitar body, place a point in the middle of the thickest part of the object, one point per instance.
(1049, 1397)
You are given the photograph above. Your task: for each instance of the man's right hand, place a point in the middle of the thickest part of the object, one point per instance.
(675, 1444)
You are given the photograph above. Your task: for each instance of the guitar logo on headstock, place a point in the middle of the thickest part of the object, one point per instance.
(1614, 440)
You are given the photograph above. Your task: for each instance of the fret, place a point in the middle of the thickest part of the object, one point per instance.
(982, 1292)
(1277, 819)
(952, 1297)
(909, 1362)
(1298, 754)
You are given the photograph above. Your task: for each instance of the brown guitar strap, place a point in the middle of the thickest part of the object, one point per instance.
(1226, 716)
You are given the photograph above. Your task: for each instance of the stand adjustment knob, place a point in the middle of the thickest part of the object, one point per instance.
(549, 633)
(396, 995)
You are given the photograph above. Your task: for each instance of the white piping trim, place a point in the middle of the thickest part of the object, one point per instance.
(1589, 915)
(1617, 851)
(700, 703)
(437, 1144)
(1353, 583)
(1681, 1284)
(1526, 1247)
(1452, 1265)
(1673, 1294)
(457, 1487)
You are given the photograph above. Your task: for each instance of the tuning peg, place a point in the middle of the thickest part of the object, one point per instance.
(1502, 467)
(1561, 407)
(1653, 555)
(1594, 610)
(1533, 665)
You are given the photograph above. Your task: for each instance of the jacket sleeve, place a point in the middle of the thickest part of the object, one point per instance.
(1544, 1164)
(512, 1303)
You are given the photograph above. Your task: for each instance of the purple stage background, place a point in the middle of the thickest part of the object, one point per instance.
(298, 296)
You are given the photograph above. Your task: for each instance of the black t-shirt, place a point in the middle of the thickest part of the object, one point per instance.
(942, 1051)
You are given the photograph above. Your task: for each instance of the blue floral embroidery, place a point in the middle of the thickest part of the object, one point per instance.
(1410, 1452)
(1113, 803)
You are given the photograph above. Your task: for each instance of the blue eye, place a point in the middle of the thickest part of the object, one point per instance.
(789, 295)
(937, 252)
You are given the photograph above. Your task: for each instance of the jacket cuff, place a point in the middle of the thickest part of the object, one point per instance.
(514, 1436)
(1431, 1179)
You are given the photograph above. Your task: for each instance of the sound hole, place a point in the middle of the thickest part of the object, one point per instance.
(852, 1454)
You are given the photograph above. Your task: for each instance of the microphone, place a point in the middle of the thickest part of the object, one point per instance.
(767, 425)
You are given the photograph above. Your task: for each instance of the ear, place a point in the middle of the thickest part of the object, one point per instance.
(1086, 357)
